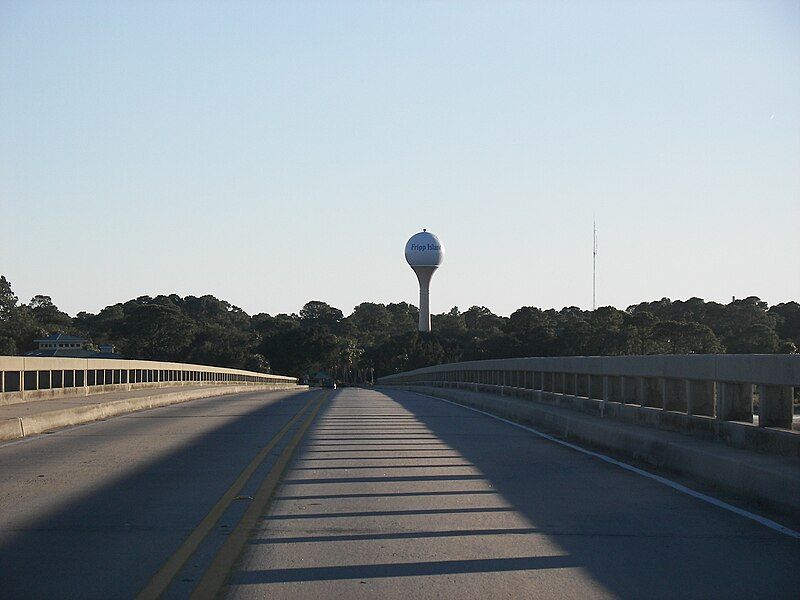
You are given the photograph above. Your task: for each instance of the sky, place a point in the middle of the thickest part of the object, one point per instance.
(275, 153)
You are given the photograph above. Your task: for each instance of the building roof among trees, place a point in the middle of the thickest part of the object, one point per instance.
(72, 353)
(61, 337)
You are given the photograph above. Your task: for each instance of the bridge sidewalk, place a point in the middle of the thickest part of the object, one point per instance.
(30, 418)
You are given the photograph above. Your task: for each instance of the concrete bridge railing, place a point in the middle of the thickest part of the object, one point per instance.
(745, 400)
(26, 378)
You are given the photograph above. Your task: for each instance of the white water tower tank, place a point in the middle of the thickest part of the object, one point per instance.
(424, 252)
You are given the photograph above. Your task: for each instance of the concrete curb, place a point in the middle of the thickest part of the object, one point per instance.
(18, 427)
(10, 429)
(772, 482)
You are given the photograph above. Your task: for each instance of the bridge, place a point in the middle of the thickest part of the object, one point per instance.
(622, 477)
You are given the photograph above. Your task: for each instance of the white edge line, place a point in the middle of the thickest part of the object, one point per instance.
(662, 480)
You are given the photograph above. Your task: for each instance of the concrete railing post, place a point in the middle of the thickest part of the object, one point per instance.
(735, 402)
(775, 406)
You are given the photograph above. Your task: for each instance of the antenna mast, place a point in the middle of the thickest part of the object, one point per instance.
(594, 266)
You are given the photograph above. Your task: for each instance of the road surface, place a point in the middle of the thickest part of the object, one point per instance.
(388, 494)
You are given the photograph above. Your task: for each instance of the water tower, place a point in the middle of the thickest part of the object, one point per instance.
(424, 252)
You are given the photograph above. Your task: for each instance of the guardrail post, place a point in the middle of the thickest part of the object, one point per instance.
(735, 401)
(775, 406)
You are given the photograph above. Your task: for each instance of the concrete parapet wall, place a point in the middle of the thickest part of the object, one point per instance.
(26, 378)
(746, 436)
(774, 369)
(772, 482)
(718, 396)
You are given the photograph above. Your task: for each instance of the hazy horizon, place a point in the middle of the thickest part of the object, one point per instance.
(272, 154)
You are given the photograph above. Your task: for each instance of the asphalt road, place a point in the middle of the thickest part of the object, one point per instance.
(397, 495)
(390, 495)
(94, 511)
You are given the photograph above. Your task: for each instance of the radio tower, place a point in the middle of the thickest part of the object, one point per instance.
(594, 266)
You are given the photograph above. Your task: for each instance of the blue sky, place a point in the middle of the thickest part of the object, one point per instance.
(274, 153)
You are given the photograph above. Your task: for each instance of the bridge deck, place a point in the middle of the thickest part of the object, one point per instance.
(389, 495)
(403, 496)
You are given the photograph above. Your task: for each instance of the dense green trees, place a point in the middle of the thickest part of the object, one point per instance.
(20, 324)
(383, 337)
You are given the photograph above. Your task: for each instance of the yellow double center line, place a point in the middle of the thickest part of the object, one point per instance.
(215, 576)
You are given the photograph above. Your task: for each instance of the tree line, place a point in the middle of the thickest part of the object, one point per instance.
(383, 337)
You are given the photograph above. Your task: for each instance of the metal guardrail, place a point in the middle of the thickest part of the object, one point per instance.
(24, 378)
(724, 387)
